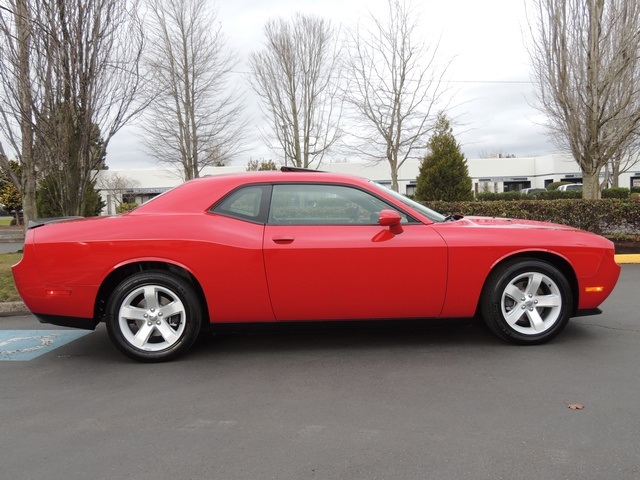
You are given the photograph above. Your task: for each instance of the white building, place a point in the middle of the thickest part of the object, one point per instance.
(487, 174)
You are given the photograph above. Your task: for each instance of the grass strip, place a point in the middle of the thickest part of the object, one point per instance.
(8, 292)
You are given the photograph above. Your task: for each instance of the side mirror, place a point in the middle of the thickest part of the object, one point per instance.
(391, 219)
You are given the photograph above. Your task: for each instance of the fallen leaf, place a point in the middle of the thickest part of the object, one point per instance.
(576, 406)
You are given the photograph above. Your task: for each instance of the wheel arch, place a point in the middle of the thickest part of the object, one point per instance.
(124, 271)
(554, 259)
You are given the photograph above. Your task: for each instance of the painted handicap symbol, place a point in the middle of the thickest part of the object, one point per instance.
(29, 344)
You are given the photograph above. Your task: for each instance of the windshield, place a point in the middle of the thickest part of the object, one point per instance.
(427, 212)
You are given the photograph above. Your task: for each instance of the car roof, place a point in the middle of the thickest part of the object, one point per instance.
(199, 194)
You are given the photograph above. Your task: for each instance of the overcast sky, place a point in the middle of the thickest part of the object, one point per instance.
(492, 93)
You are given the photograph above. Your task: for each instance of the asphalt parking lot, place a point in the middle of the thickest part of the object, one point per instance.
(432, 402)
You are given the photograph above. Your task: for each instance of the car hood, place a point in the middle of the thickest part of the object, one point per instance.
(516, 223)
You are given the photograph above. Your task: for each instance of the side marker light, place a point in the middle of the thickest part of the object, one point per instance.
(594, 289)
(58, 293)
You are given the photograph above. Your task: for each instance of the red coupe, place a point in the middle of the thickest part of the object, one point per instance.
(304, 246)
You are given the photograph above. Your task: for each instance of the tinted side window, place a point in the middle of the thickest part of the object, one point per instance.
(306, 204)
(246, 203)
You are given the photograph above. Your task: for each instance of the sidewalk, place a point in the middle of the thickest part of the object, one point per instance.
(11, 235)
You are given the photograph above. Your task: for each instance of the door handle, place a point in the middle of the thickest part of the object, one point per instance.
(283, 239)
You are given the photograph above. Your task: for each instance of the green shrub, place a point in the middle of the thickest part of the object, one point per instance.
(555, 185)
(616, 192)
(604, 216)
(492, 197)
(125, 207)
(558, 195)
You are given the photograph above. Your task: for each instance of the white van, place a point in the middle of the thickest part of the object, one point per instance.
(570, 187)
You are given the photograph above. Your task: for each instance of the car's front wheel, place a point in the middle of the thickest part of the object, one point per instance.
(526, 301)
(153, 316)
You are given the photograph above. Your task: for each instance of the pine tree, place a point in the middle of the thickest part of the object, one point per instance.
(10, 197)
(443, 172)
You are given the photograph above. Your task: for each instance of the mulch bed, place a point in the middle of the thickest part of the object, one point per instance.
(627, 247)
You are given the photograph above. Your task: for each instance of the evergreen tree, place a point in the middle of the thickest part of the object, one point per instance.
(443, 172)
(68, 169)
(258, 165)
(48, 199)
(10, 197)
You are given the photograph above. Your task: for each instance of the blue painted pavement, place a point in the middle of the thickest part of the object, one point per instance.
(23, 345)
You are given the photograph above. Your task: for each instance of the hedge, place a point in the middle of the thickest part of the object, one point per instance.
(610, 216)
(516, 195)
(553, 194)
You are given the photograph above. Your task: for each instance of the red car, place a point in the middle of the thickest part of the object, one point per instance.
(304, 246)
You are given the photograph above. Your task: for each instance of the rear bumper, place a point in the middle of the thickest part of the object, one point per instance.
(52, 301)
(62, 321)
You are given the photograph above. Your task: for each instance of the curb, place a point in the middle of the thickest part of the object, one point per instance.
(627, 258)
(11, 309)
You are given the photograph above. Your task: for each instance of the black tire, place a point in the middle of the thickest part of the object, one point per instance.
(153, 316)
(526, 301)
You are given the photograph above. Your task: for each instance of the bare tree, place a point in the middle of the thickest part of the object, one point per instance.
(16, 99)
(585, 59)
(296, 76)
(116, 186)
(195, 119)
(70, 80)
(621, 162)
(395, 84)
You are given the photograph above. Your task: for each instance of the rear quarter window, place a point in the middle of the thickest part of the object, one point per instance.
(247, 203)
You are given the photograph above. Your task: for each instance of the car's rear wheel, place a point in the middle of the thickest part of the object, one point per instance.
(526, 301)
(153, 316)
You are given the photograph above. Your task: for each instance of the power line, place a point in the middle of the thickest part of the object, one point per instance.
(493, 81)
(499, 82)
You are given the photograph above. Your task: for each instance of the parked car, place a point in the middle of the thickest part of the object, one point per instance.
(304, 246)
(570, 187)
(532, 191)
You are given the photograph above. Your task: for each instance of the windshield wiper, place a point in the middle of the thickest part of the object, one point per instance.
(452, 218)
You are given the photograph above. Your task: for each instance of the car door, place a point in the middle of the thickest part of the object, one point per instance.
(326, 257)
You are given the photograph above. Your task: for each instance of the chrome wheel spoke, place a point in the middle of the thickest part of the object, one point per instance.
(536, 321)
(151, 296)
(548, 301)
(534, 283)
(514, 316)
(168, 333)
(132, 313)
(173, 308)
(514, 292)
(141, 338)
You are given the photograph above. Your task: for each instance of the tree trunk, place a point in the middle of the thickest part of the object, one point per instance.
(394, 175)
(615, 173)
(28, 186)
(591, 185)
(586, 65)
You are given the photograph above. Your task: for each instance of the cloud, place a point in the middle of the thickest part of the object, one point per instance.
(489, 75)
